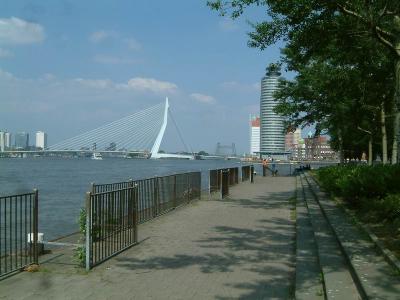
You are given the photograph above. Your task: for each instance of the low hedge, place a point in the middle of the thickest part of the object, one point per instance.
(373, 189)
(355, 182)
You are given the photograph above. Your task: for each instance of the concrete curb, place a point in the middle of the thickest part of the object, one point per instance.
(362, 274)
(388, 255)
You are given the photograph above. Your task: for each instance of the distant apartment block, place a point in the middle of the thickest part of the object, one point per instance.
(254, 135)
(21, 140)
(41, 140)
(8, 140)
(292, 140)
(2, 141)
(318, 148)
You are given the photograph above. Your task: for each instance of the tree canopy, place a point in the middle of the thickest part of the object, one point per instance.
(347, 58)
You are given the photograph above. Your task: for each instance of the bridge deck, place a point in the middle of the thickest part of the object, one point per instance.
(242, 247)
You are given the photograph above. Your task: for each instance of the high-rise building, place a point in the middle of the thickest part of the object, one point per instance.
(292, 139)
(8, 140)
(21, 140)
(2, 141)
(41, 140)
(254, 135)
(272, 136)
(5, 141)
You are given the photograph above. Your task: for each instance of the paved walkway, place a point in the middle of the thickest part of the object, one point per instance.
(241, 247)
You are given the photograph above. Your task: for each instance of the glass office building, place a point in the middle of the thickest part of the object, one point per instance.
(272, 134)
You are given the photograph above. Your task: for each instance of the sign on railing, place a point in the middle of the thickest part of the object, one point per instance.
(18, 231)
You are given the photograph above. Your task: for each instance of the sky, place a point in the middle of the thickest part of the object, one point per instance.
(70, 66)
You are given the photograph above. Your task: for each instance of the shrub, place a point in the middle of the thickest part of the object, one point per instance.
(391, 207)
(356, 182)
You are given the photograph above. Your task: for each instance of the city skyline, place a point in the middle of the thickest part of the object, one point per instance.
(66, 80)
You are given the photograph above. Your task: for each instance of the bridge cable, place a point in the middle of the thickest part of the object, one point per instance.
(179, 133)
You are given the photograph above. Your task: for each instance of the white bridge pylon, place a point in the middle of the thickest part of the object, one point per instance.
(138, 132)
(156, 147)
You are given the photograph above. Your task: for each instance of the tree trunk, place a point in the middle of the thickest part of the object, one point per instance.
(396, 122)
(384, 135)
(341, 154)
(370, 158)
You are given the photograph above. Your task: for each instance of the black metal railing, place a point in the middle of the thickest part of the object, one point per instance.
(246, 173)
(111, 223)
(215, 180)
(18, 232)
(218, 183)
(233, 176)
(159, 195)
(225, 182)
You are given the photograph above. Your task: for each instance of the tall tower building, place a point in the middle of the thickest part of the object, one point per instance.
(41, 140)
(254, 134)
(8, 140)
(21, 140)
(2, 141)
(272, 135)
(5, 141)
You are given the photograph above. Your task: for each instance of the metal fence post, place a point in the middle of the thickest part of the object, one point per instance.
(188, 186)
(252, 174)
(35, 226)
(209, 181)
(135, 212)
(199, 185)
(88, 240)
(156, 208)
(174, 195)
(221, 186)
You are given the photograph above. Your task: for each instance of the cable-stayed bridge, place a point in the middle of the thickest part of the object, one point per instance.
(140, 134)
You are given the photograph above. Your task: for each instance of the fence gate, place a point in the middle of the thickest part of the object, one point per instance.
(18, 232)
(111, 223)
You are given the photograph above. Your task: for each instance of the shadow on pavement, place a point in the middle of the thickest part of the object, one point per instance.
(266, 251)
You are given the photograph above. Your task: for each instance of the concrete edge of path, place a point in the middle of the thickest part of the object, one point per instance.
(376, 262)
(387, 254)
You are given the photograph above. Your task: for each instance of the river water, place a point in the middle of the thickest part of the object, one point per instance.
(63, 182)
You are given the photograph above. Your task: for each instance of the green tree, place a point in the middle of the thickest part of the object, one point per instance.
(307, 26)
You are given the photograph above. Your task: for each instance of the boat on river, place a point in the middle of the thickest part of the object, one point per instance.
(97, 156)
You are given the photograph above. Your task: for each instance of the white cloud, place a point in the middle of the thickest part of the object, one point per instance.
(242, 87)
(227, 25)
(132, 44)
(17, 31)
(149, 84)
(6, 75)
(203, 98)
(48, 76)
(113, 60)
(95, 83)
(4, 53)
(101, 35)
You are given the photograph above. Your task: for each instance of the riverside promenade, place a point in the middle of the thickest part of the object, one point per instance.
(240, 247)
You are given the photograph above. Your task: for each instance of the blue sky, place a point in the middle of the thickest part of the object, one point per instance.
(70, 66)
